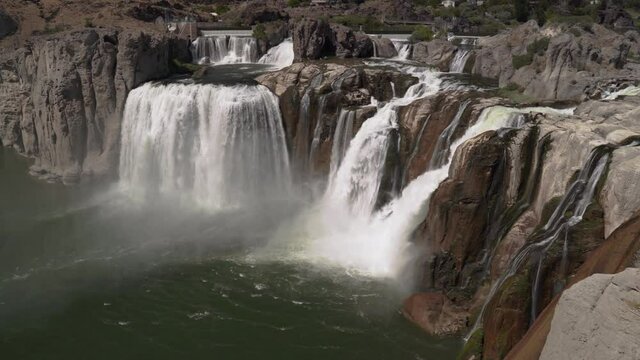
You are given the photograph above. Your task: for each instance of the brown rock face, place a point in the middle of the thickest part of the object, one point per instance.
(384, 48)
(435, 313)
(437, 53)
(313, 39)
(312, 97)
(62, 97)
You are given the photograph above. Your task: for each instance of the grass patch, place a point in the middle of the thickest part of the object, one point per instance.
(473, 346)
(179, 67)
(514, 93)
(421, 33)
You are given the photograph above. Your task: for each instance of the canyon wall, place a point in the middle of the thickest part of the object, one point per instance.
(62, 96)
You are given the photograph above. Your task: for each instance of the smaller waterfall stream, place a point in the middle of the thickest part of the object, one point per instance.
(575, 202)
(281, 55)
(462, 55)
(403, 48)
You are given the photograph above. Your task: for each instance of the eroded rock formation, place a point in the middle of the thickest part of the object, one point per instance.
(62, 96)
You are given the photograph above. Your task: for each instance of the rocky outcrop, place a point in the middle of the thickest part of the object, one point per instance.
(615, 16)
(597, 318)
(62, 97)
(314, 39)
(435, 313)
(384, 47)
(437, 53)
(275, 32)
(557, 62)
(8, 26)
(504, 187)
(312, 95)
(618, 252)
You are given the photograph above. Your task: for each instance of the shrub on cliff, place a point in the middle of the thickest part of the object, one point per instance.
(421, 33)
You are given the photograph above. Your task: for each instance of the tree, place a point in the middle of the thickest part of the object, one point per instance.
(522, 10)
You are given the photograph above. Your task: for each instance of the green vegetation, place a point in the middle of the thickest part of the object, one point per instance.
(179, 67)
(259, 32)
(355, 21)
(88, 23)
(51, 29)
(519, 61)
(473, 347)
(296, 3)
(538, 47)
(421, 33)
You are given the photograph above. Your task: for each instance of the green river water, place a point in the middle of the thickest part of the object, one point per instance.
(87, 274)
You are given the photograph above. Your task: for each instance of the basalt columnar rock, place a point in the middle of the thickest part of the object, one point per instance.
(62, 96)
(312, 95)
(314, 39)
(597, 318)
(557, 62)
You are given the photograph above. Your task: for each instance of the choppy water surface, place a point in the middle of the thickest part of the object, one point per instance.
(86, 273)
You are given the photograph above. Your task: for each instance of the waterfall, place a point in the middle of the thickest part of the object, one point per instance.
(403, 48)
(441, 152)
(224, 50)
(377, 243)
(281, 55)
(459, 61)
(462, 55)
(358, 179)
(575, 202)
(219, 146)
(341, 139)
(628, 91)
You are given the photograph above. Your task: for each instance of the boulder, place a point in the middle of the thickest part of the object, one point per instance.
(312, 39)
(384, 47)
(437, 53)
(435, 313)
(597, 318)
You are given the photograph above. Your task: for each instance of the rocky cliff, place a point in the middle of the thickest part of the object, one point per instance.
(597, 318)
(62, 96)
(558, 62)
(504, 265)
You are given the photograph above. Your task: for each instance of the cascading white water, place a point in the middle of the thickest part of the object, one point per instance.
(377, 243)
(281, 55)
(220, 146)
(224, 50)
(576, 201)
(441, 151)
(459, 61)
(628, 91)
(462, 55)
(403, 48)
(341, 139)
